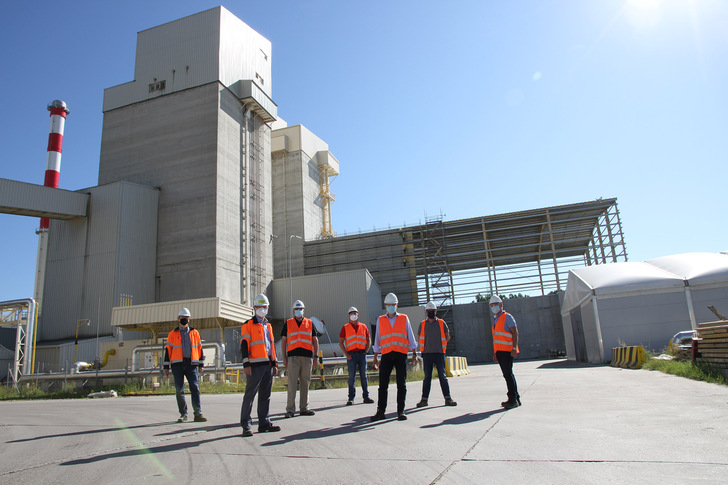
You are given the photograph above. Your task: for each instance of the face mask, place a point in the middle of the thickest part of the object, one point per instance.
(431, 313)
(298, 313)
(184, 321)
(353, 317)
(261, 312)
(495, 309)
(391, 309)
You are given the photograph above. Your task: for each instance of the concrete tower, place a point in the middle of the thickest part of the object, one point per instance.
(194, 122)
(302, 165)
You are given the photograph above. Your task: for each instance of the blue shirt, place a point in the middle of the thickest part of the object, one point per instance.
(377, 346)
(509, 323)
(266, 334)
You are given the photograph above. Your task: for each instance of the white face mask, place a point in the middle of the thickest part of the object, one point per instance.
(261, 312)
(495, 309)
(391, 309)
(298, 313)
(353, 317)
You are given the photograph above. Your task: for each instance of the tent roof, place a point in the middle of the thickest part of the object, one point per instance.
(604, 279)
(696, 268)
(666, 272)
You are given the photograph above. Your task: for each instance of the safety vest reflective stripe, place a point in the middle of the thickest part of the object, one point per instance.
(502, 339)
(174, 347)
(253, 333)
(299, 336)
(442, 335)
(356, 338)
(393, 339)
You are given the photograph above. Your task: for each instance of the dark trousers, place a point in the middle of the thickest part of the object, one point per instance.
(505, 360)
(434, 360)
(189, 371)
(358, 361)
(260, 382)
(398, 362)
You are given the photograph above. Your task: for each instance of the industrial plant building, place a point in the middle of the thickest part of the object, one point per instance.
(206, 198)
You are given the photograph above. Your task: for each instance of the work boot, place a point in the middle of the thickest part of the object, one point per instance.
(288, 415)
(510, 404)
(182, 418)
(247, 432)
(379, 416)
(450, 402)
(199, 418)
(268, 428)
(368, 400)
(401, 416)
(308, 412)
(349, 402)
(422, 403)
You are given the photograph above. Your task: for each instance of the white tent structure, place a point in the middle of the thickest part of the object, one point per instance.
(641, 303)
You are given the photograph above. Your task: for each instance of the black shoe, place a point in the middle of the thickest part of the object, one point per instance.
(368, 400)
(450, 402)
(510, 404)
(349, 402)
(268, 428)
(401, 416)
(422, 403)
(247, 432)
(379, 416)
(308, 412)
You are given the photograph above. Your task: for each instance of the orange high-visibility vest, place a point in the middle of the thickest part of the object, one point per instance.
(393, 339)
(502, 338)
(299, 336)
(442, 335)
(253, 333)
(174, 346)
(355, 339)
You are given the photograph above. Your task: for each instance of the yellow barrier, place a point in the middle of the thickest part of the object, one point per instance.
(628, 357)
(456, 366)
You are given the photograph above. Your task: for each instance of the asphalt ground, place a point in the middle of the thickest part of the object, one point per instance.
(578, 424)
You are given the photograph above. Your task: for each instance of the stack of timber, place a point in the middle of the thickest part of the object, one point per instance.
(713, 345)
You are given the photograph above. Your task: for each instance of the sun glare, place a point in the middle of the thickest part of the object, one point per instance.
(643, 14)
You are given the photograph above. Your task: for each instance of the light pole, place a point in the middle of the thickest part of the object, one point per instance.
(290, 277)
(79, 323)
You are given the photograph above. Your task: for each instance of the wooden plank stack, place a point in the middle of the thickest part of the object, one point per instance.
(714, 344)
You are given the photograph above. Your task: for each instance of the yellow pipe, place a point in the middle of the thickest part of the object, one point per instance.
(106, 356)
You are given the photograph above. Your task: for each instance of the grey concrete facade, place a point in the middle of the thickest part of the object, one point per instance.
(93, 260)
(539, 328)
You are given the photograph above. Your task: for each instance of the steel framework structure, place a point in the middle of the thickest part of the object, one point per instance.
(528, 252)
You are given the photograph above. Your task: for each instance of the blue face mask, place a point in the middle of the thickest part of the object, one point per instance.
(298, 313)
(391, 309)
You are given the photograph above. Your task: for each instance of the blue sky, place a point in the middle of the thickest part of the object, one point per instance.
(462, 108)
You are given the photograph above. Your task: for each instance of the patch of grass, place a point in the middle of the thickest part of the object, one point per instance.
(698, 372)
(166, 387)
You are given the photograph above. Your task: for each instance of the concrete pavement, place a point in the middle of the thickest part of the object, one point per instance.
(578, 424)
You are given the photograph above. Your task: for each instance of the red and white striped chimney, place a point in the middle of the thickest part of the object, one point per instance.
(58, 111)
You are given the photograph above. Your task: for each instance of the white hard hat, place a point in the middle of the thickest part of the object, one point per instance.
(430, 306)
(353, 309)
(298, 305)
(261, 300)
(184, 313)
(495, 299)
(390, 299)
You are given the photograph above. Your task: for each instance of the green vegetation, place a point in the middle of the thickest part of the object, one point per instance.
(138, 388)
(684, 368)
(479, 297)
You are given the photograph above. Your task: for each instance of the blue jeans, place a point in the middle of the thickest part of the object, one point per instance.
(180, 371)
(438, 360)
(358, 360)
